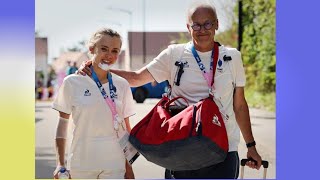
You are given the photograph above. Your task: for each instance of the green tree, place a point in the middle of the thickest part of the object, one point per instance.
(183, 38)
(229, 37)
(258, 45)
(257, 49)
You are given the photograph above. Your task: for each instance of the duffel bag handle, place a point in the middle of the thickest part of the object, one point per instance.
(167, 104)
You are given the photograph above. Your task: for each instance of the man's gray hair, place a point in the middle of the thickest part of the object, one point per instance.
(199, 4)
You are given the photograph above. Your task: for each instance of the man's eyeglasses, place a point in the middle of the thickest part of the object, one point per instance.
(197, 27)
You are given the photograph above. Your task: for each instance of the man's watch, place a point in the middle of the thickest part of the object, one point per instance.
(250, 144)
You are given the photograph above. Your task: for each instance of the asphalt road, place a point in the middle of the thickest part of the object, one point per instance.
(263, 127)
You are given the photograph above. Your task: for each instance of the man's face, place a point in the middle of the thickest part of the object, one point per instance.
(206, 19)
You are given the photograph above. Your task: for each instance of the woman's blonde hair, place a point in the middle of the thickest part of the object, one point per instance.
(101, 32)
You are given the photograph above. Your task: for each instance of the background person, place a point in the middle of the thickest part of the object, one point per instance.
(71, 69)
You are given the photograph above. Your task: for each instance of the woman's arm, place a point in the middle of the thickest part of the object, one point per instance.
(129, 171)
(61, 136)
(128, 127)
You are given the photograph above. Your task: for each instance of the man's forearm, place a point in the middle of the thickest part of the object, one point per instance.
(135, 78)
(243, 120)
(128, 75)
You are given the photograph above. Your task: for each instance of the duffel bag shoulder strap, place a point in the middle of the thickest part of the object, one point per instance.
(167, 104)
(215, 60)
(180, 49)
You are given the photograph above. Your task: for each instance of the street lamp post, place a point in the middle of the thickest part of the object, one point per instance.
(144, 34)
(128, 63)
(240, 25)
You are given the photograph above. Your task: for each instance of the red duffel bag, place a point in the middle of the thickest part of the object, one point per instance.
(194, 138)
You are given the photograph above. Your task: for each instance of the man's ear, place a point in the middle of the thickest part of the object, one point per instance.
(188, 27)
(217, 24)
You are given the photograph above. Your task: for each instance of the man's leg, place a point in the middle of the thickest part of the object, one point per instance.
(168, 174)
(228, 169)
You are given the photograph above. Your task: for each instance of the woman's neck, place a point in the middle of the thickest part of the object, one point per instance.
(101, 74)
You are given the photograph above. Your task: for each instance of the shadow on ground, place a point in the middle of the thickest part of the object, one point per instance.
(44, 168)
(45, 162)
(38, 119)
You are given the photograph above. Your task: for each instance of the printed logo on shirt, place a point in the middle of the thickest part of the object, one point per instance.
(219, 66)
(87, 93)
(113, 92)
(215, 120)
(184, 63)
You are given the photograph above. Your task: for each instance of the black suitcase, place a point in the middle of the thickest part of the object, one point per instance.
(265, 165)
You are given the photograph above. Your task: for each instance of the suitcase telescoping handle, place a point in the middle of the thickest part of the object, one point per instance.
(265, 165)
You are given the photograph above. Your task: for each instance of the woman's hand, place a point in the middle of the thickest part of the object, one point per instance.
(56, 172)
(129, 172)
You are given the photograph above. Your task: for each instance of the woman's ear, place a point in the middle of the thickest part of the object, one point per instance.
(91, 49)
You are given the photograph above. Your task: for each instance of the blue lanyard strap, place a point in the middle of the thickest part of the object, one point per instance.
(111, 87)
(213, 62)
(198, 59)
(102, 90)
(110, 101)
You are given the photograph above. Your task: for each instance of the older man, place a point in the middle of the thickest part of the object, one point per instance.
(229, 82)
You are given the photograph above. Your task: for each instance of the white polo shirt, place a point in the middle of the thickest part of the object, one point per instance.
(94, 145)
(194, 87)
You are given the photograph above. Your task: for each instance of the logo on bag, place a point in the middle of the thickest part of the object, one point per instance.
(215, 120)
(87, 93)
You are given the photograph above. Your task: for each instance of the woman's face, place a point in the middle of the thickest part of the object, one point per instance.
(106, 50)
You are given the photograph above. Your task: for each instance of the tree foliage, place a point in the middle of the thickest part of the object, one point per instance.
(258, 45)
(229, 37)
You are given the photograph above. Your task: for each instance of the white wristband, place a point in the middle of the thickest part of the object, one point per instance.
(62, 128)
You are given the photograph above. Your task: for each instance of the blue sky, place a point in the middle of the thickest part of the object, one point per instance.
(67, 22)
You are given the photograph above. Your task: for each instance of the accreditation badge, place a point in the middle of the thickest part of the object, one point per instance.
(129, 151)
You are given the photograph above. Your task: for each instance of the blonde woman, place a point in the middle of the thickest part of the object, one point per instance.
(100, 107)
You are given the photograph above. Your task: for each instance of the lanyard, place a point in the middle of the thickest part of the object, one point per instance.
(208, 76)
(109, 100)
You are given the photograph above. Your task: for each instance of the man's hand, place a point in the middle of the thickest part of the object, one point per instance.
(253, 154)
(84, 68)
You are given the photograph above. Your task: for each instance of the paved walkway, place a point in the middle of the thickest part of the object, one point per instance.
(263, 125)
